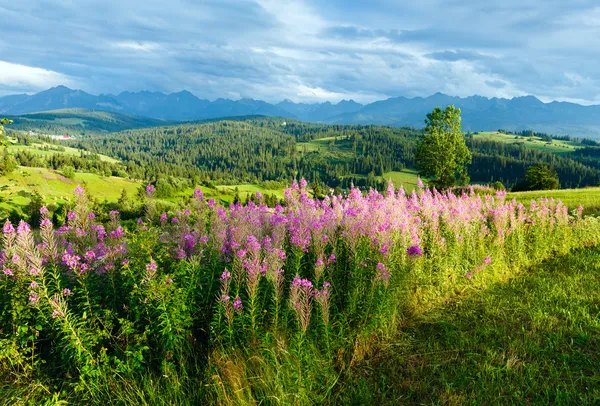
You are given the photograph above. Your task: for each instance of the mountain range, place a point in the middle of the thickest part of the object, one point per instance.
(478, 113)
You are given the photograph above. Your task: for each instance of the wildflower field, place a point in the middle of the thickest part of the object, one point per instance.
(372, 298)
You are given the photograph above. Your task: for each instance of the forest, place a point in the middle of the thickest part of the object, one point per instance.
(255, 149)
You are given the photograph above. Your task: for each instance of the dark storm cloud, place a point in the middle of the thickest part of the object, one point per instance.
(304, 50)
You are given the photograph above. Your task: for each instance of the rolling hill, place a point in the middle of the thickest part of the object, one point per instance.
(77, 121)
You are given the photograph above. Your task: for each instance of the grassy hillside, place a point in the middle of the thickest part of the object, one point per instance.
(589, 198)
(79, 121)
(17, 187)
(555, 146)
(45, 149)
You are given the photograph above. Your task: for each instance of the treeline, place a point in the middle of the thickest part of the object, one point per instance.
(85, 162)
(549, 137)
(258, 150)
(507, 163)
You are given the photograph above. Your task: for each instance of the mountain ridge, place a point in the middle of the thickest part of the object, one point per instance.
(479, 113)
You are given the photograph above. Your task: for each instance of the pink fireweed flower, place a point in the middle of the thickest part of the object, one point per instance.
(331, 259)
(84, 268)
(414, 251)
(66, 291)
(140, 222)
(225, 298)
(383, 274)
(253, 243)
(79, 191)
(125, 262)
(301, 295)
(118, 233)
(34, 285)
(487, 260)
(90, 256)
(237, 304)
(163, 218)
(23, 228)
(168, 281)
(151, 266)
(420, 184)
(211, 203)
(44, 210)
(259, 195)
(91, 216)
(72, 261)
(198, 194)
(322, 298)
(45, 223)
(468, 275)
(150, 190)
(33, 298)
(8, 228)
(303, 183)
(114, 214)
(174, 220)
(8, 271)
(225, 275)
(71, 216)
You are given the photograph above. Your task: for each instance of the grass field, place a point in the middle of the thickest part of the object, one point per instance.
(406, 178)
(556, 146)
(531, 340)
(589, 198)
(38, 149)
(16, 188)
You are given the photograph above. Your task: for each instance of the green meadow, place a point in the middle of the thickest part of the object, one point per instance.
(17, 187)
(45, 149)
(556, 146)
(589, 198)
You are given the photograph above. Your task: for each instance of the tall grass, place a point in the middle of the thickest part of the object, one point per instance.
(248, 304)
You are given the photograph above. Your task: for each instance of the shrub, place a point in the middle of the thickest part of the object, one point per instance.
(68, 172)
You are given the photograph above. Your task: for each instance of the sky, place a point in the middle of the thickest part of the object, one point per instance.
(304, 50)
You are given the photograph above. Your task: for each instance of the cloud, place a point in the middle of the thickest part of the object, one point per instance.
(137, 46)
(454, 56)
(305, 50)
(21, 78)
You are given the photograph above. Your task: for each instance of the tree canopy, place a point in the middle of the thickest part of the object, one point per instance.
(442, 153)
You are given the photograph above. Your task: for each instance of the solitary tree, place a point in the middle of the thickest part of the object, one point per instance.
(2, 136)
(7, 162)
(442, 154)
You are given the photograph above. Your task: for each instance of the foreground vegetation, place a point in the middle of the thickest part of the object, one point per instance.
(308, 302)
(528, 339)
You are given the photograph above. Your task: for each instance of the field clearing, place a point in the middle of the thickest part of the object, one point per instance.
(16, 188)
(407, 178)
(556, 146)
(37, 149)
(227, 193)
(589, 198)
(326, 144)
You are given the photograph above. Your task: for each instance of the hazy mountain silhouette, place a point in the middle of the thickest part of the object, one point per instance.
(478, 113)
